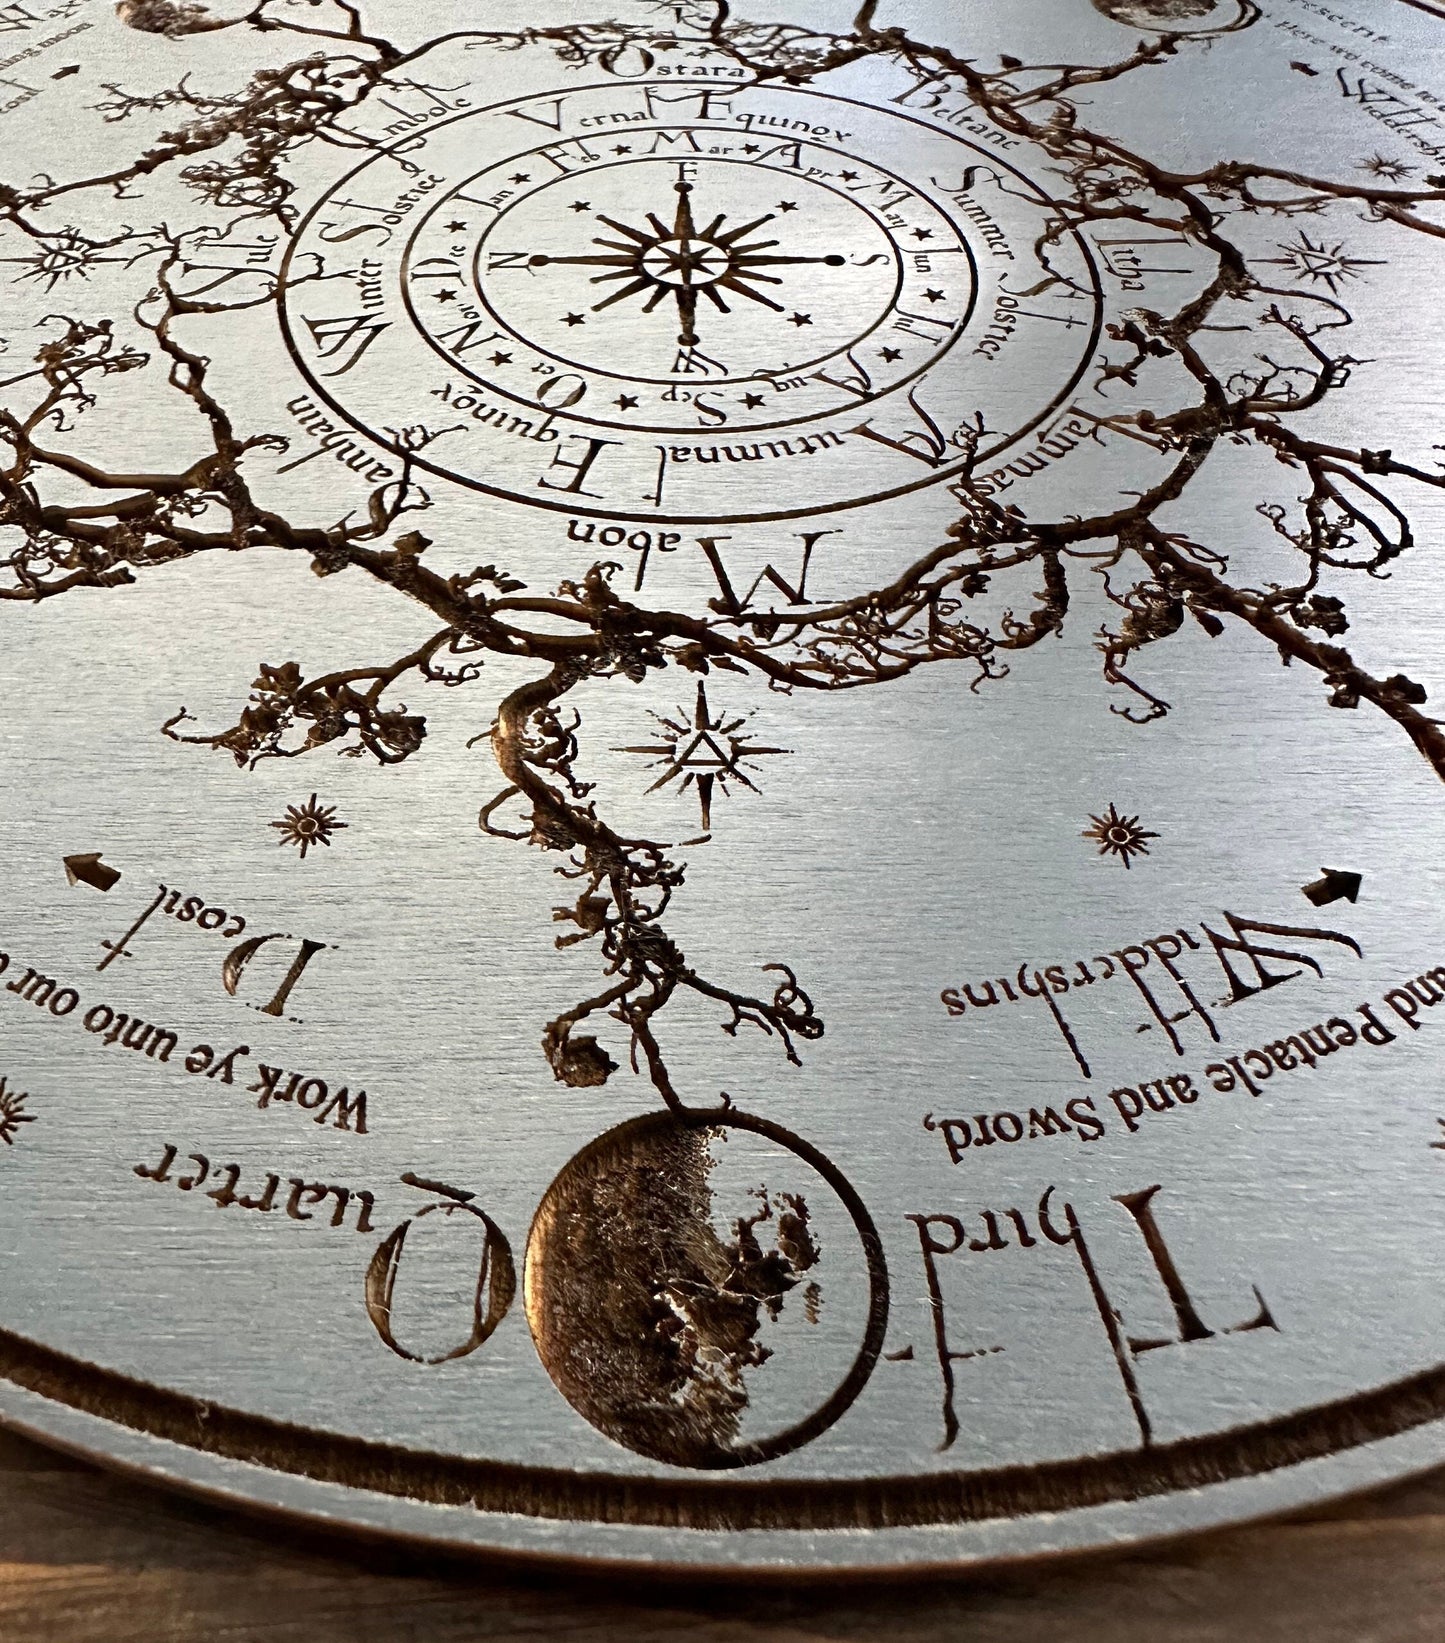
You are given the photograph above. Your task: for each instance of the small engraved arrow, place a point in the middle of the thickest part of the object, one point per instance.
(1334, 886)
(91, 870)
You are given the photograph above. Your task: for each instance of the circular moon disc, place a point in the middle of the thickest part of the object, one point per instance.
(679, 1327)
(1171, 16)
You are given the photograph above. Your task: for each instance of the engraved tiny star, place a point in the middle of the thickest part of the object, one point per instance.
(890, 354)
(580, 205)
(575, 319)
(501, 359)
(1393, 171)
(802, 319)
(626, 402)
(787, 205)
(456, 228)
(934, 296)
(446, 296)
(752, 148)
(305, 825)
(522, 177)
(752, 401)
(12, 1113)
(622, 148)
(848, 176)
(1118, 835)
(923, 233)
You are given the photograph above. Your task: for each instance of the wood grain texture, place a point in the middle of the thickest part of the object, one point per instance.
(90, 1558)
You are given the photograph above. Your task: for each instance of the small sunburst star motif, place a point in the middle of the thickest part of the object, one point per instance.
(307, 824)
(1320, 263)
(1118, 835)
(705, 751)
(1391, 171)
(12, 1113)
(61, 257)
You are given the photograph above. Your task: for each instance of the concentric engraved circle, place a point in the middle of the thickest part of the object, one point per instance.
(1172, 16)
(689, 307)
(684, 1279)
(715, 287)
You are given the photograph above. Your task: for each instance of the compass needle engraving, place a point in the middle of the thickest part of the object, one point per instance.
(682, 263)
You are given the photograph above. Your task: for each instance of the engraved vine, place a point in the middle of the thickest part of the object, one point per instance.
(232, 150)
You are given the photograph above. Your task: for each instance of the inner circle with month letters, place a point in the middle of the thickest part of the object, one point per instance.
(642, 303)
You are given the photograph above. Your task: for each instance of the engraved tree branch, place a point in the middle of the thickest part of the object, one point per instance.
(1347, 517)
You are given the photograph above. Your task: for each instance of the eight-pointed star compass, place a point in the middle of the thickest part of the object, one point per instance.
(683, 262)
(705, 750)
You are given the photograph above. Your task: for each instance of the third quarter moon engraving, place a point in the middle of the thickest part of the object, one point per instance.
(680, 1327)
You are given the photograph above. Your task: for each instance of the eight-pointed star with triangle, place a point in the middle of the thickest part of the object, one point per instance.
(705, 752)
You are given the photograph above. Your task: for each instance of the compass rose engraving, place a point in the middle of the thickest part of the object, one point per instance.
(706, 752)
(773, 273)
(701, 324)
(684, 262)
(58, 258)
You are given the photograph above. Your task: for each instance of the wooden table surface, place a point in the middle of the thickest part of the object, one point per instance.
(85, 1556)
